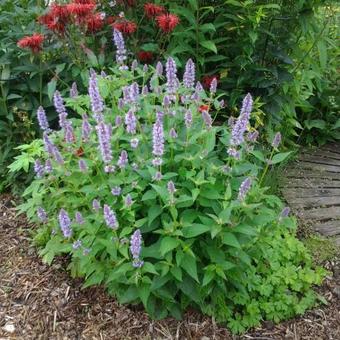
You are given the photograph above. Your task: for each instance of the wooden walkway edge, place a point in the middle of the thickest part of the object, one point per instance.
(311, 187)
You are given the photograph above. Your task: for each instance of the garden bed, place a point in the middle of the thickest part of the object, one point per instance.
(42, 302)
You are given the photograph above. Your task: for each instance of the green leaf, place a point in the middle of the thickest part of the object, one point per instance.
(208, 276)
(168, 243)
(230, 239)
(209, 45)
(189, 264)
(153, 213)
(51, 87)
(177, 273)
(278, 158)
(322, 48)
(195, 230)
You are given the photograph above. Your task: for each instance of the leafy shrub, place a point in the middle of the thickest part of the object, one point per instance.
(150, 198)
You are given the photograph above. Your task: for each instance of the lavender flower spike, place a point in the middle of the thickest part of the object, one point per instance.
(128, 200)
(135, 248)
(277, 140)
(42, 215)
(120, 46)
(237, 134)
(110, 217)
(171, 76)
(79, 218)
(77, 244)
(123, 159)
(96, 205)
(82, 165)
(104, 132)
(42, 119)
(97, 105)
(189, 74)
(207, 119)
(158, 138)
(188, 119)
(60, 108)
(116, 191)
(85, 129)
(48, 166)
(159, 69)
(130, 122)
(74, 90)
(173, 133)
(39, 169)
(171, 187)
(65, 223)
(213, 86)
(244, 188)
(285, 212)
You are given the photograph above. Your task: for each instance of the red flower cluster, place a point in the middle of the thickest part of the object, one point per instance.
(33, 42)
(80, 12)
(206, 80)
(145, 57)
(204, 108)
(152, 10)
(167, 22)
(125, 26)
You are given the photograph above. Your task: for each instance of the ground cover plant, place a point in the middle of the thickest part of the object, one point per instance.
(145, 195)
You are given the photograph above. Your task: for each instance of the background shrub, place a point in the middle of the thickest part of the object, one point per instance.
(165, 209)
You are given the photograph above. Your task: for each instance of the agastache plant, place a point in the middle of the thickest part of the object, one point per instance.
(120, 48)
(97, 104)
(60, 108)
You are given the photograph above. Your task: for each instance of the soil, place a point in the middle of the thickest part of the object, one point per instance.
(43, 302)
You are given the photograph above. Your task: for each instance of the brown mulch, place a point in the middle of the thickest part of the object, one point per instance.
(42, 302)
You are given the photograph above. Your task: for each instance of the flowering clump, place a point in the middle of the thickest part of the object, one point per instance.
(33, 42)
(150, 200)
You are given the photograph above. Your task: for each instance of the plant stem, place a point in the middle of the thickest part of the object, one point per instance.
(267, 167)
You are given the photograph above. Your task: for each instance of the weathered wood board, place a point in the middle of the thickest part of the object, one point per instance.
(311, 188)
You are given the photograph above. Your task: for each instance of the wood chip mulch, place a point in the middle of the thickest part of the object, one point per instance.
(42, 302)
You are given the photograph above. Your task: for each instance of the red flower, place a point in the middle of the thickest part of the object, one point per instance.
(80, 10)
(94, 22)
(206, 80)
(110, 20)
(33, 42)
(127, 27)
(167, 22)
(151, 10)
(85, 2)
(79, 152)
(59, 12)
(203, 108)
(145, 57)
(52, 23)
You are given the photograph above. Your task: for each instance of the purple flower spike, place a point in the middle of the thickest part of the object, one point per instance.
(134, 143)
(232, 152)
(189, 74)
(252, 136)
(145, 68)
(207, 119)
(237, 134)
(60, 108)
(158, 176)
(109, 169)
(49, 146)
(69, 134)
(244, 188)
(130, 122)
(57, 156)
(145, 90)
(116, 191)
(42, 119)
(199, 88)
(135, 248)
(82, 165)
(97, 104)
(42, 215)
(188, 119)
(213, 86)
(158, 138)
(157, 161)
(173, 133)
(85, 129)
(65, 223)
(128, 201)
(39, 169)
(76, 245)
(159, 69)
(48, 166)
(79, 218)
(134, 65)
(110, 217)
(74, 90)
(123, 159)
(277, 140)
(285, 212)
(120, 46)
(121, 103)
(96, 205)
(104, 132)
(171, 76)
(171, 187)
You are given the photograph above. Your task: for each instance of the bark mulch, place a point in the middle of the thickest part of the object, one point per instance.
(42, 302)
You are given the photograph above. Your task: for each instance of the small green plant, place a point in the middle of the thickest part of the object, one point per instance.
(165, 209)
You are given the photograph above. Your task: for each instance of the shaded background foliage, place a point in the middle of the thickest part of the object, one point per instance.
(283, 52)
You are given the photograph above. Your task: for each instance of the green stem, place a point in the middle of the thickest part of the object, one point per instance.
(267, 167)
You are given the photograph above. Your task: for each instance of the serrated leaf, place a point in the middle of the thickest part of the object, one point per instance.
(168, 243)
(230, 240)
(188, 263)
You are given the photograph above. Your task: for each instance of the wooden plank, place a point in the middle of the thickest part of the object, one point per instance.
(319, 160)
(309, 183)
(305, 173)
(310, 192)
(321, 153)
(319, 167)
(329, 228)
(310, 202)
(320, 214)
(334, 148)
